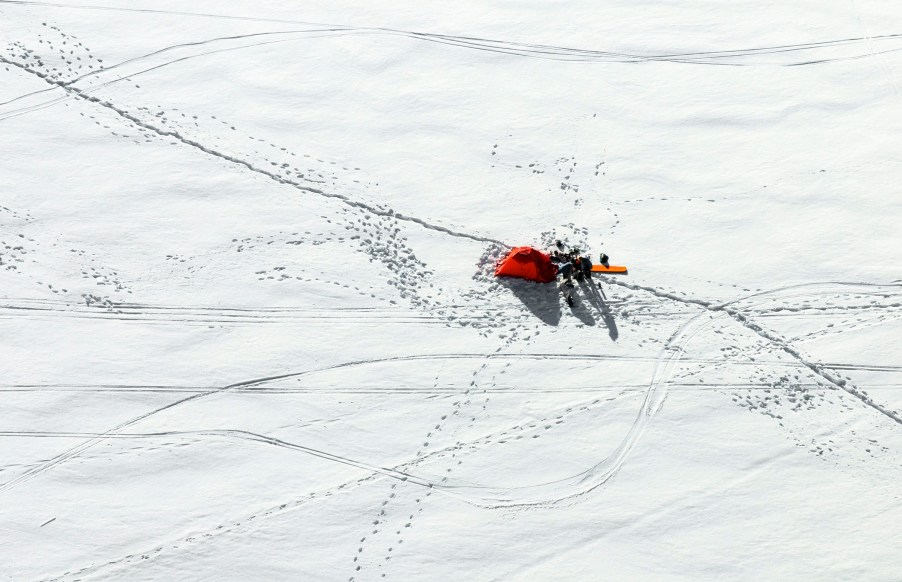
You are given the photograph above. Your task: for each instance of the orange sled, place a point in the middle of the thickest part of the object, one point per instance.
(609, 269)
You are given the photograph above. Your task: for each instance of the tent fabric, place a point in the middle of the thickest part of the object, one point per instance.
(527, 263)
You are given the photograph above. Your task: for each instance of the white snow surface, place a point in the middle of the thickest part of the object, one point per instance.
(250, 328)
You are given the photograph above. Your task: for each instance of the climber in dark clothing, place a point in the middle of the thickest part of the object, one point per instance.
(582, 265)
(565, 270)
(585, 264)
(564, 266)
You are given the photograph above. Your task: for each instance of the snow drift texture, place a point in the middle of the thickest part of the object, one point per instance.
(250, 328)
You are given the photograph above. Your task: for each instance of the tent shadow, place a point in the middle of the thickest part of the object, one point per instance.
(542, 300)
(595, 296)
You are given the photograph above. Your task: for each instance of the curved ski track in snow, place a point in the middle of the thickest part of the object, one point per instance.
(232, 434)
(741, 315)
(541, 51)
(558, 490)
(597, 475)
(723, 57)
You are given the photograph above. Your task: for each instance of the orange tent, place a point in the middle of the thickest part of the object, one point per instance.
(527, 263)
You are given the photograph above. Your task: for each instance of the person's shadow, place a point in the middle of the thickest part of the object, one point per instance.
(581, 306)
(543, 300)
(594, 295)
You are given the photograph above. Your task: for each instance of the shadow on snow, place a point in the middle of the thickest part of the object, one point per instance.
(544, 301)
(595, 296)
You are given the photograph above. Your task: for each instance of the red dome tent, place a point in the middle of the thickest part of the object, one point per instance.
(527, 263)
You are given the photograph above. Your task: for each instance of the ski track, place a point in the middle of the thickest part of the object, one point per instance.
(471, 43)
(546, 51)
(592, 477)
(597, 474)
(245, 164)
(501, 47)
(541, 494)
(231, 434)
(418, 390)
(742, 317)
(533, 429)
